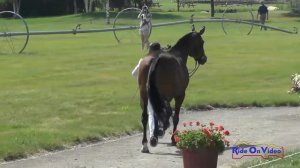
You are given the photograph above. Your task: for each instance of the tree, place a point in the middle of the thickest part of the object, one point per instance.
(212, 8)
(16, 5)
(107, 8)
(295, 6)
(75, 6)
(88, 4)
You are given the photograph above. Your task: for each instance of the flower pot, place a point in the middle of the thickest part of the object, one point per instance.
(206, 158)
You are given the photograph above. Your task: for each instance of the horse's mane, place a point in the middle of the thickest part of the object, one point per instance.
(183, 40)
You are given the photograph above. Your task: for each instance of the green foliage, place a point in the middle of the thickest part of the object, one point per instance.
(48, 7)
(295, 5)
(292, 161)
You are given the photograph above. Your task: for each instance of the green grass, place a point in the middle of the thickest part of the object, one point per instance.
(292, 162)
(66, 89)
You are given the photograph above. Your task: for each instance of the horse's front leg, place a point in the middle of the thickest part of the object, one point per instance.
(178, 103)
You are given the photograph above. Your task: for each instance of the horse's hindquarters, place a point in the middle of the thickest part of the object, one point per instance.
(171, 78)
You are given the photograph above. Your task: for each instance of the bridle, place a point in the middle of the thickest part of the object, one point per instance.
(195, 69)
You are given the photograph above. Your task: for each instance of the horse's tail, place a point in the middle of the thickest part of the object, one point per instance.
(161, 110)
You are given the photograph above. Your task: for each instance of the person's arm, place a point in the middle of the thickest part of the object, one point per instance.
(149, 17)
(139, 16)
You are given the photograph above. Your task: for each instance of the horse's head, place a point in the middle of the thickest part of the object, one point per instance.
(196, 46)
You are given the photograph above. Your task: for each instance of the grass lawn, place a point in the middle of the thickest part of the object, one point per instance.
(66, 89)
(291, 160)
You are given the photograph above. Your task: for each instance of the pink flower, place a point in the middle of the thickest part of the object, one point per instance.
(211, 123)
(220, 128)
(191, 123)
(184, 124)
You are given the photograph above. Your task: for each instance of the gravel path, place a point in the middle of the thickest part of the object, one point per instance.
(279, 126)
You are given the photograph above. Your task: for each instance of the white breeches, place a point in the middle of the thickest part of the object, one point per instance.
(150, 118)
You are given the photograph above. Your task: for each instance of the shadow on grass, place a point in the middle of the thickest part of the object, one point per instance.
(293, 15)
(16, 156)
(251, 104)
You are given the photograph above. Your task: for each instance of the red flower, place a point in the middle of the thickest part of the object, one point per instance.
(207, 132)
(221, 128)
(197, 123)
(191, 123)
(184, 124)
(225, 132)
(177, 139)
(211, 123)
(216, 128)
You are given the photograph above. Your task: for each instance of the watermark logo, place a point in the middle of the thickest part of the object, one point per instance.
(262, 150)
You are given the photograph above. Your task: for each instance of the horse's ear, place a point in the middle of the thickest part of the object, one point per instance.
(193, 28)
(202, 30)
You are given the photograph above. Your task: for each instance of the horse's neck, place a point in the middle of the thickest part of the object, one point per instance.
(180, 52)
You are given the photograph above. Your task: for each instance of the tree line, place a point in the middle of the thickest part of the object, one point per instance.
(62, 7)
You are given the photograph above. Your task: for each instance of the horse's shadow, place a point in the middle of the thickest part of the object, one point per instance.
(177, 153)
(168, 144)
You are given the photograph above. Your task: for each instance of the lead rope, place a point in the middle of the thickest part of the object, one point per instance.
(194, 70)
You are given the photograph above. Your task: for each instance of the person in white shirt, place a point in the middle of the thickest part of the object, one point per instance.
(145, 26)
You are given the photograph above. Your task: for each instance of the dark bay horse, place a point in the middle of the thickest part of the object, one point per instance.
(168, 79)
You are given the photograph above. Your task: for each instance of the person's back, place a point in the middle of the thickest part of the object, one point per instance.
(154, 50)
(263, 12)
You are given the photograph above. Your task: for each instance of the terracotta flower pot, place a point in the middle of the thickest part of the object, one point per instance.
(200, 159)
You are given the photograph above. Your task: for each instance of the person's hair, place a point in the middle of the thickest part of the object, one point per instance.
(145, 8)
(154, 47)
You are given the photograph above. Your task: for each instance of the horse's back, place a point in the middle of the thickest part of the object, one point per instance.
(171, 78)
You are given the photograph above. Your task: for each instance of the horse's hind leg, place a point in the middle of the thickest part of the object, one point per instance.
(144, 122)
(178, 103)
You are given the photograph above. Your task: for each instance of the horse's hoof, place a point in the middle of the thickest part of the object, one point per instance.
(153, 141)
(161, 133)
(145, 149)
(173, 143)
